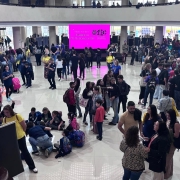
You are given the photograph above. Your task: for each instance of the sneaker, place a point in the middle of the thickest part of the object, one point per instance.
(111, 123)
(35, 170)
(50, 87)
(85, 123)
(59, 79)
(35, 153)
(46, 153)
(8, 100)
(80, 116)
(23, 84)
(53, 88)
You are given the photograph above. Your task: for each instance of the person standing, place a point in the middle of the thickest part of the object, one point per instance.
(132, 117)
(125, 51)
(59, 66)
(133, 55)
(134, 154)
(109, 60)
(51, 75)
(82, 65)
(123, 92)
(29, 75)
(11, 116)
(116, 68)
(38, 55)
(74, 66)
(98, 58)
(28, 55)
(7, 78)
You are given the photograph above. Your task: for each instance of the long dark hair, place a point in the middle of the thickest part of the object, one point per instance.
(153, 73)
(77, 85)
(88, 85)
(173, 118)
(132, 137)
(153, 114)
(163, 130)
(10, 109)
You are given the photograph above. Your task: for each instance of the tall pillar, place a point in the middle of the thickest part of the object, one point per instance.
(87, 3)
(124, 3)
(14, 1)
(23, 35)
(158, 34)
(37, 30)
(123, 36)
(52, 35)
(17, 37)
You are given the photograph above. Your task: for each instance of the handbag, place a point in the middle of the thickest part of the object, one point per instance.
(83, 102)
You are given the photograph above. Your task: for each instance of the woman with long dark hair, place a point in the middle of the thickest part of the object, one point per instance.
(11, 116)
(134, 154)
(158, 148)
(77, 91)
(148, 122)
(174, 130)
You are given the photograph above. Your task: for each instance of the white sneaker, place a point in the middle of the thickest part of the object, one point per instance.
(8, 99)
(35, 170)
(59, 79)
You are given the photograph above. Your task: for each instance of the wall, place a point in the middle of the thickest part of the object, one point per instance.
(158, 15)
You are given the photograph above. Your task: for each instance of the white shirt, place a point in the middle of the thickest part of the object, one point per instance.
(59, 64)
(158, 71)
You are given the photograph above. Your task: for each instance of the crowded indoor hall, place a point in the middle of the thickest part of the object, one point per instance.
(86, 96)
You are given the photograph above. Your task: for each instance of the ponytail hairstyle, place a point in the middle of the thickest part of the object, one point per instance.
(71, 115)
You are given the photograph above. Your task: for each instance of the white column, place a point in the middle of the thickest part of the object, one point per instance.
(17, 37)
(66, 3)
(52, 35)
(37, 30)
(124, 2)
(158, 34)
(123, 36)
(13, 1)
(88, 2)
(23, 35)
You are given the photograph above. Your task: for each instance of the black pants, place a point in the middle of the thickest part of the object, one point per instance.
(23, 76)
(88, 109)
(71, 108)
(125, 56)
(99, 127)
(123, 100)
(90, 61)
(29, 81)
(38, 59)
(98, 62)
(132, 60)
(81, 72)
(59, 71)
(25, 153)
(51, 79)
(142, 92)
(163, 116)
(9, 90)
(74, 70)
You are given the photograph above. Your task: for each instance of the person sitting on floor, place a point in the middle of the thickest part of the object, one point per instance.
(56, 123)
(34, 116)
(65, 146)
(46, 115)
(38, 137)
(72, 121)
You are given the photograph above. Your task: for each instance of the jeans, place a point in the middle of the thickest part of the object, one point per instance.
(78, 107)
(8, 93)
(51, 79)
(81, 72)
(28, 59)
(108, 102)
(54, 57)
(177, 99)
(64, 73)
(99, 127)
(132, 60)
(147, 92)
(23, 76)
(25, 153)
(161, 89)
(109, 65)
(28, 78)
(43, 142)
(156, 93)
(88, 109)
(115, 109)
(59, 70)
(132, 175)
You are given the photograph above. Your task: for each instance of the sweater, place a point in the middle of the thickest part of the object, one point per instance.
(99, 115)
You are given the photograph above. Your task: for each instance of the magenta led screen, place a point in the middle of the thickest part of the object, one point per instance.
(89, 35)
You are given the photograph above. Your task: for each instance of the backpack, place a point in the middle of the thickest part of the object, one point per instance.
(79, 138)
(66, 97)
(129, 88)
(152, 84)
(66, 145)
(16, 83)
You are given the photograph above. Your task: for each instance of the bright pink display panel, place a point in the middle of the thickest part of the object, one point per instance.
(89, 35)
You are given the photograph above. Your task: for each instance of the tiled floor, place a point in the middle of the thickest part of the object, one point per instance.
(96, 160)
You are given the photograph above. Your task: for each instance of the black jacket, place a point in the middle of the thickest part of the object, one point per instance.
(123, 88)
(157, 155)
(114, 91)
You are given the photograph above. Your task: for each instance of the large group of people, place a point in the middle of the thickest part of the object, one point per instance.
(152, 137)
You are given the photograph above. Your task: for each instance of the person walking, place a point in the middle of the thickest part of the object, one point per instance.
(82, 65)
(134, 154)
(59, 66)
(51, 74)
(98, 58)
(74, 65)
(11, 116)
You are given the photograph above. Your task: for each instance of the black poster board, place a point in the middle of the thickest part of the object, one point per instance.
(9, 150)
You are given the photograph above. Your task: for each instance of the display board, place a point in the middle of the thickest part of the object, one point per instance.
(89, 35)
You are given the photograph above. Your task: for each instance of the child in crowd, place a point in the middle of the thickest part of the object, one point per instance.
(35, 116)
(99, 117)
(72, 121)
(65, 146)
(29, 75)
(16, 84)
(46, 115)
(56, 123)
(1, 91)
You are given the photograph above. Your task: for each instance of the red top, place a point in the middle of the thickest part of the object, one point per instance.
(99, 115)
(72, 100)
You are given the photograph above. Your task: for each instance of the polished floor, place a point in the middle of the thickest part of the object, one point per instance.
(96, 160)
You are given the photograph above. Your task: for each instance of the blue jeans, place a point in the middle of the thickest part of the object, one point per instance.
(54, 57)
(28, 59)
(156, 93)
(115, 109)
(132, 175)
(147, 92)
(177, 99)
(109, 65)
(161, 89)
(42, 142)
(64, 73)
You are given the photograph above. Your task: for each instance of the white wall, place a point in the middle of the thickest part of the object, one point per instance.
(159, 15)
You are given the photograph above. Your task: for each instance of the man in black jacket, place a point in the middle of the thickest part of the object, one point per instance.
(123, 92)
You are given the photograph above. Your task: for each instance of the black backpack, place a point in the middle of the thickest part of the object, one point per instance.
(152, 84)
(129, 88)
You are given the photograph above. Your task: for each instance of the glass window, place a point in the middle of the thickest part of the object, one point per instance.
(115, 2)
(45, 30)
